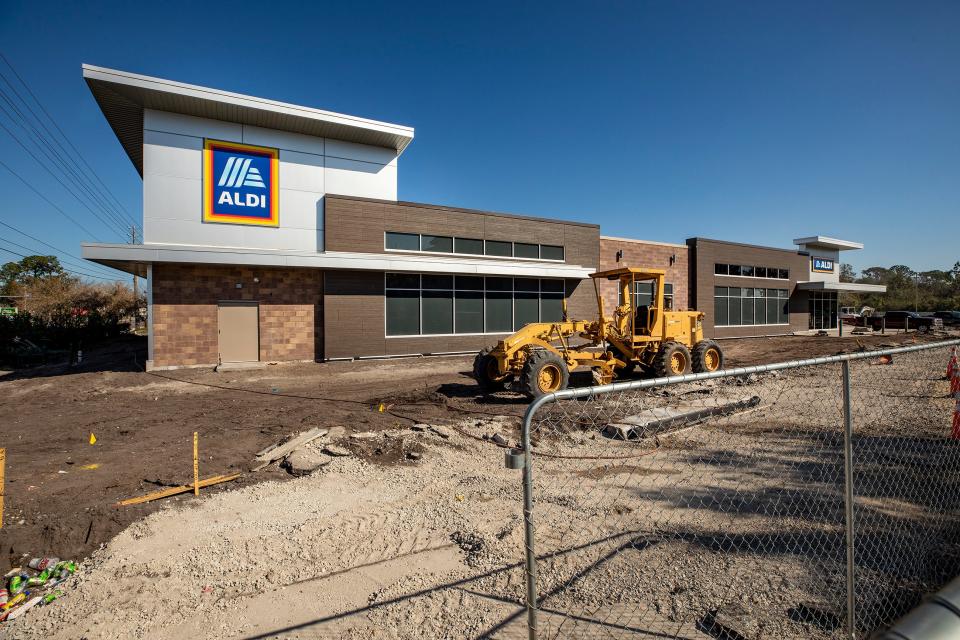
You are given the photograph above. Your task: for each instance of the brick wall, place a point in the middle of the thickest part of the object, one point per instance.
(707, 253)
(639, 253)
(358, 224)
(185, 299)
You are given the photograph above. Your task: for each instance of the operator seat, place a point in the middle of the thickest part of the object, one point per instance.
(641, 318)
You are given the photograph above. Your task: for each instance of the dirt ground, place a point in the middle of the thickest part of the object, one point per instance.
(401, 508)
(144, 423)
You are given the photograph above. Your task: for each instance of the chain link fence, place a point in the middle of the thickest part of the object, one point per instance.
(719, 505)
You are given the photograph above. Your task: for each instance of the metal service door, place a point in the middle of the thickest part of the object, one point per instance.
(239, 331)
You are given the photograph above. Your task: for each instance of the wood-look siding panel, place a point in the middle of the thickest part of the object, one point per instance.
(359, 225)
(707, 253)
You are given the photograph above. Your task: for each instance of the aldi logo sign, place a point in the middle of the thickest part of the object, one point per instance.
(240, 184)
(823, 265)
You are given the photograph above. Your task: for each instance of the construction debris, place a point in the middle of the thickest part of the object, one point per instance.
(172, 491)
(270, 456)
(652, 422)
(28, 588)
(305, 461)
(499, 440)
(336, 451)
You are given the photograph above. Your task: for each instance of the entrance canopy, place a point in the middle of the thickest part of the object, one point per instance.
(844, 287)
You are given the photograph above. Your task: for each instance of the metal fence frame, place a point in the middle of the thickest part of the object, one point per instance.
(600, 390)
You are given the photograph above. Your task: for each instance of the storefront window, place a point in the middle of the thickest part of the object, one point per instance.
(736, 306)
(443, 305)
(822, 306)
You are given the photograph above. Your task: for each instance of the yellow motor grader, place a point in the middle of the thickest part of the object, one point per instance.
(540, 356)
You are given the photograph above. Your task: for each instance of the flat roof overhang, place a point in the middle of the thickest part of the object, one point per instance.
(123, 96)
(848, 287)
(828, 243)
(134, 258)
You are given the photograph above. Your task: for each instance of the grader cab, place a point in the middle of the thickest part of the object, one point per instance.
(539, 357)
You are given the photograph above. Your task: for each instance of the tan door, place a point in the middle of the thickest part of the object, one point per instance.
(239, 331)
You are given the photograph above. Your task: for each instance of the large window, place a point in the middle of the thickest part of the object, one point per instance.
(397, 241)
(745, 306)
(643, 294)
(748, 271)
(442, 304)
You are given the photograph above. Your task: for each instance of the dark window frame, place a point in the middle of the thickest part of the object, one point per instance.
(530, 289)
(555, 249)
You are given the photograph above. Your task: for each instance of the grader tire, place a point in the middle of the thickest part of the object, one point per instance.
(707, 357)
(544, 372)
(673, 359)
(485, 371)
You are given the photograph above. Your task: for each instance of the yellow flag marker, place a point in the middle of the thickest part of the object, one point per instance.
(381, 408)
(90, 467)
(93, 438)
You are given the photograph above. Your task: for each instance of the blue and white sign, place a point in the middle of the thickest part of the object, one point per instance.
(823, 265)
(240, 184)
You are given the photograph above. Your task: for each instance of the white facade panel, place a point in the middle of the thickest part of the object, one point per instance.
(171, 154)
(188, 232)
(301, 171)
(171, 198)
(362, 152)
(191, 125)
(363, 179)
(301, 209)
(173, 186)
(829, 254)
(283, 140)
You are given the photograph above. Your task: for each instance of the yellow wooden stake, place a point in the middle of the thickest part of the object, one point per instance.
(196, 467)
(3, 464)
(172, 491)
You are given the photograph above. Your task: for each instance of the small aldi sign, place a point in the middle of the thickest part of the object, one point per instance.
(241, 184)
(823, 265)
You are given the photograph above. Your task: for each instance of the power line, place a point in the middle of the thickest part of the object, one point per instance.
(65, 267)
(55, 177)
(70, 271)
(70, 263)
(70, 172)
(47, 244)
(50, 202)
(67, 140)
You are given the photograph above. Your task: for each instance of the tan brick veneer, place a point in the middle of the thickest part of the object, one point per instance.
(637, 253)
(185, 299)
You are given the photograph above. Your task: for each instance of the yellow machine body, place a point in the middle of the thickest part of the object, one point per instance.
(629, 337)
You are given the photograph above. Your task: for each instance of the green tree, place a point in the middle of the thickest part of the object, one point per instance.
(847, 273)
(15, 276)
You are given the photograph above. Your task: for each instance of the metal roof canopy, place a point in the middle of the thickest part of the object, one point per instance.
(853, 287)
(638, 272)
(133, 258)
(828, 243)
(123, 96)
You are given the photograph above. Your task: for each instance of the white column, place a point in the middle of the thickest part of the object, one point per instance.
(149, 316)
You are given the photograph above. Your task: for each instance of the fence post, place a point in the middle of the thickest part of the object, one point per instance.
(848, 500)
(531, 557)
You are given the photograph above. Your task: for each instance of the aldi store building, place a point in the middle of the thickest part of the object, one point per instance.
(272, 232)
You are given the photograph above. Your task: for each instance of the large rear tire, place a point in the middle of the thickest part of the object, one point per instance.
(544, 372)
(707, 357)
(486, 373)
(673, 359)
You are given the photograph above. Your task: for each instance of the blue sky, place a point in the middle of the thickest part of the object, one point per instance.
(751, 121)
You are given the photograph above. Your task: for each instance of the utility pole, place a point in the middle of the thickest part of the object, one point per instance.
(136, 297)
